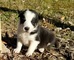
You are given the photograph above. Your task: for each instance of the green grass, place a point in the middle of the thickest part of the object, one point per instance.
(62, 10)
(53, 8)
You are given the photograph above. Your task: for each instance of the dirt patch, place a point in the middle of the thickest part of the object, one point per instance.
(63, 49)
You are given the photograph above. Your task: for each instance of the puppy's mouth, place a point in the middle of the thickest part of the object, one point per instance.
(26, 31)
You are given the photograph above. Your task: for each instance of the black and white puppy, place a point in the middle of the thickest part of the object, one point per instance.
(31, 34)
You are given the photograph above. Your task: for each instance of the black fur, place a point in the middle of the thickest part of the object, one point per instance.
(45, 36)
(22, 17)
(34, 21)
(33, 32)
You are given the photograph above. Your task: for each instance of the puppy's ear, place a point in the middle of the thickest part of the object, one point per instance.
(40, 16)
(20, 13)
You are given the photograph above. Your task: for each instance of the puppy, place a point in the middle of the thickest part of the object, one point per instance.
(31, 34)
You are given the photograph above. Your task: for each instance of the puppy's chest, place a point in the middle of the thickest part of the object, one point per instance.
(26, 38)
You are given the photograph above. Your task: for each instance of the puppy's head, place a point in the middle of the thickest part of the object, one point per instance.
(29, 20)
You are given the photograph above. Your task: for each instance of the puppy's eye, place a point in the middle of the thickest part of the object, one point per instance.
(34, 21)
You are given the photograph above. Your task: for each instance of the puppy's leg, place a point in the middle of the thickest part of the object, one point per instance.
(41, 50)
(18, 48)
(32, 47)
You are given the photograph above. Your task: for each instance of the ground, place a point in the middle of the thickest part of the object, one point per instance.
(57, 15)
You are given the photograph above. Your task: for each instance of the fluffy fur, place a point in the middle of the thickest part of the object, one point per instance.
(31, 34)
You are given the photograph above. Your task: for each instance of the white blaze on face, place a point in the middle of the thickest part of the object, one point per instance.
(28, 17)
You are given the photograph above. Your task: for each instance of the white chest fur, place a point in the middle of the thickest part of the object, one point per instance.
(26, 38)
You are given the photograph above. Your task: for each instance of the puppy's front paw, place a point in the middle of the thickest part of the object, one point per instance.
(16, 50)
(28, 54)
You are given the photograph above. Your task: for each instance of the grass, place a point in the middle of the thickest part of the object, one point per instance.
(59, 9)
(53, 8)
(47, 7)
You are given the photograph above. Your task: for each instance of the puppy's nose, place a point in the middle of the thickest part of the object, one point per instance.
(26, 28)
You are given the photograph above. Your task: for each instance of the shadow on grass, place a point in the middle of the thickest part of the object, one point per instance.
(7, 9)
(58, 23)
(10, 41)
(53, 20)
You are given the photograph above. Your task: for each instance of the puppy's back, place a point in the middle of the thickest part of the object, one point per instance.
(46, 36)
